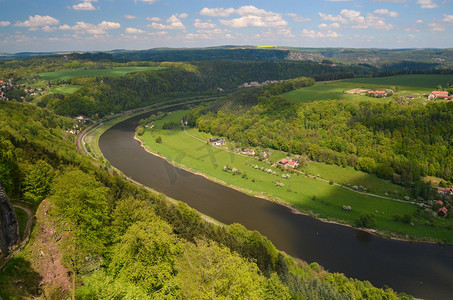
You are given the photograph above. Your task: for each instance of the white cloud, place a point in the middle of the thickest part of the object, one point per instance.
(109, 25)
(4, 23)
(384, 11)
(174, 23)
(209, 34)
(148, 1)
(250, 16)
(38, 21)
(327, 26)
(356, 20)
(427, 4)
(411, 36)
(130, 17)
(134, 30)
(159, 33)
(297, 18)
(448, 18)
(216, 12)
(153, 19)
(182, 16)
(331, 18)
(86, 5)
(48, 29)
(313, 34)
(203, 25)
(436, 27)
(419, 21)
(100, 29)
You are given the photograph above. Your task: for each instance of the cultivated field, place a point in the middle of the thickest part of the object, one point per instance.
(303, 192)
(407, 85)
(115, 71)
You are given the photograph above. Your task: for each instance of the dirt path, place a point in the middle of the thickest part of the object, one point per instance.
(26, 236)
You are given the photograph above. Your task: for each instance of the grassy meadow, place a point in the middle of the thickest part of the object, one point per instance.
(65, 89)
(303, 192)
(414, 85)
(115, 71)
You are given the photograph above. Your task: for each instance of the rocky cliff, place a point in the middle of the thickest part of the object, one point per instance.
(9, 227)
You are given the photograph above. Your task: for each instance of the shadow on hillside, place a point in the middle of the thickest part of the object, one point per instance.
(19, 280)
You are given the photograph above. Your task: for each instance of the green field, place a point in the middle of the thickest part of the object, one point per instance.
(115, 71)
(414, 85)
(65, 89)
(305, 193)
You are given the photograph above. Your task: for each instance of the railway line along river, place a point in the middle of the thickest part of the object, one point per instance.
(421, 269)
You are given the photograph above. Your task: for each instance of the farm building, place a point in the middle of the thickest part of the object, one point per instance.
(288, 162)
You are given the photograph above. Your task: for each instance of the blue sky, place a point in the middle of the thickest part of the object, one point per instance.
(87, 25)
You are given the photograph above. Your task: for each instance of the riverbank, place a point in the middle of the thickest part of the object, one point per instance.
(304, 193)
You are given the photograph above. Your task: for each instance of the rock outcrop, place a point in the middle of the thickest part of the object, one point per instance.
(9, 227)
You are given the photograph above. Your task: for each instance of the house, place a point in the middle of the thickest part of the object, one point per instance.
(293, 163)
(439, 94)
(217, 141)
(288, 162)
(439, 202)
(220, 142)
(445, 190)
(248, 151)
(80, 118)
(377, 93)
(442, 212)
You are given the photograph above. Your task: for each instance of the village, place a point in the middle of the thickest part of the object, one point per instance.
(439, 207)
(385, 93)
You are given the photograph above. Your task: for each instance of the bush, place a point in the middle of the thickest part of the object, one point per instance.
(159, 139)
(366, 220)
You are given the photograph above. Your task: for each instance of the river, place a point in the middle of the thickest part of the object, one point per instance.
(421, 269)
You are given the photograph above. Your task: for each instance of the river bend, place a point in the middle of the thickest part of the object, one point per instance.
(421, 269)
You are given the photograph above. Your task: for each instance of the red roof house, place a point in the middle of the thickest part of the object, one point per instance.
(442, 212)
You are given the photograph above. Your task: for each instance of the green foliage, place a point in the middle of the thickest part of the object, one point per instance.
(81, 209)
(367, 220)
(212, 271)
(38, 181)
(146, 255)
(159, 139)
(110, 72)
(8, 164)
(171, 125)
(99, 285)
(140, 130)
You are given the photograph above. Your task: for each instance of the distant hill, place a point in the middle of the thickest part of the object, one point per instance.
(386, 59)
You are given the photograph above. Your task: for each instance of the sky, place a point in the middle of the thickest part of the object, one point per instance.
(101, 25)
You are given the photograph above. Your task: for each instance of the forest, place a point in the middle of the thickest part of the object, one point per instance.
(103, 95)
(115, 238)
